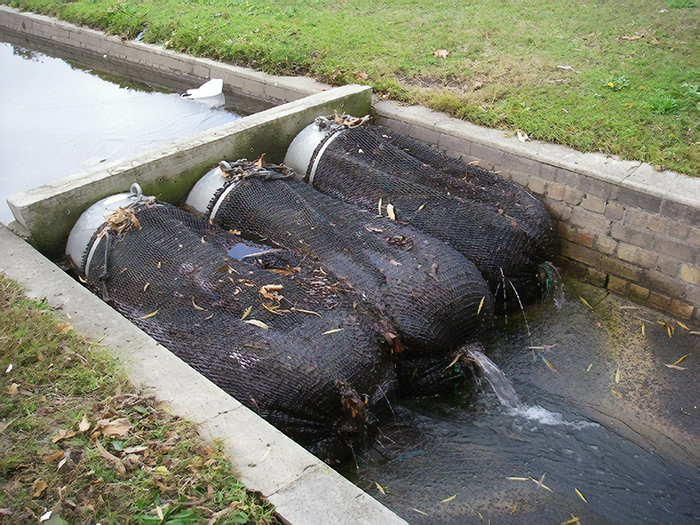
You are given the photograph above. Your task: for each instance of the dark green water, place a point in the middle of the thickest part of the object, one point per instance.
(607, 418)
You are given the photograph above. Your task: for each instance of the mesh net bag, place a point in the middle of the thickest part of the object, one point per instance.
(433, 296)
(281, 337)
(499, 226)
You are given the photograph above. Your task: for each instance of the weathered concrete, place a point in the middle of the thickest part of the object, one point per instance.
(619, 204)
(49, 212)
(303, 489)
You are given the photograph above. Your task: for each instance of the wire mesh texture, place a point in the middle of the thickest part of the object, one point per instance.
(278, 333)
(434, 299)
(505, 231)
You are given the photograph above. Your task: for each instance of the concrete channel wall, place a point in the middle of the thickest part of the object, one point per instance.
(621, 224)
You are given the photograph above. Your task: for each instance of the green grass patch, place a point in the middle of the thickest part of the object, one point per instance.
(79, 442)
(596, 76)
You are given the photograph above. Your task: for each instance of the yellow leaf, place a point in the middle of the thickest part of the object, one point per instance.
(163, 471)
(381, 489)
(334, 331)
(481, 304)
(589, 368)
(158, 265)
(580, 495)
(449, 499)
(12, 389)
(633, 37)
(310, 312)
(615, 392)
(247, 312)
(682, 325)
(260, 163)
(257, 323)
(675, 367)
(585, 302)
(681, 359)
(453, 361)
(573, 521)
(149, 315)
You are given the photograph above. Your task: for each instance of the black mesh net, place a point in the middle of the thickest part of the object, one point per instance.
(434, 297)
(499, 226)
(278, 333)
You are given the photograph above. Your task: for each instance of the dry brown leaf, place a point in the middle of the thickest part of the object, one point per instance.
(121, 469)
(84, 424)
(441, 53)
(12, 389)
(135, 450)
(118, 427)
(260, 163)
(477, 85)
(361, 75)
(39, 487)
(123, 220)
(53, 458)
(633, 37)
(271, 291)
(62, 434)
(64, 328)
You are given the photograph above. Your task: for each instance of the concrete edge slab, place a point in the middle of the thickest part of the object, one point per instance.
(170, 171)
(303, 489)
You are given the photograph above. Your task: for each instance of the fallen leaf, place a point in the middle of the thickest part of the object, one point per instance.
(62, 434)
(522, 136)
(390, 211)
(121, 469)
(270, 291)
(681, 359)
(512, 478)
(481, 304)
(53, 458)
(682, 325)
(310, 312)
(162, 470)
(39, 487)
(580, 495)
(84, 425)
(477, 85)
(633, 37)
(381, 489)
(12, 389)
(419, 511)
(118, 427)
(449, 499)
(573, 521)
(247, 312)
(260, 163)
(675, 367)
(617, 375)
(585, 302)
(135, 450)
(379, 207)
(151, 314)
(589, 368)
(453, 361)
(197, 307)
(46, 516)
(334, 331)
(361, 76)
(441, 53)
(257, 323)
(64, 328)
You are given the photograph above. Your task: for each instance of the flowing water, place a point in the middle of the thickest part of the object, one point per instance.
(58, 118)
(584, 403)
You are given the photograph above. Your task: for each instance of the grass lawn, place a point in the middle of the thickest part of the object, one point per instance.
(597, 75)
(78, 444)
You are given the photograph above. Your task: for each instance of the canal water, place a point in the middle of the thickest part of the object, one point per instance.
(58, 118)
(599, 415)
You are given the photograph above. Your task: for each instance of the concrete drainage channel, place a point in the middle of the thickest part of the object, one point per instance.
(621, 224)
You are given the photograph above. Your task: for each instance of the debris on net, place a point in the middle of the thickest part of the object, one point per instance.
(253, 326)
(498, 225)
(433, 298)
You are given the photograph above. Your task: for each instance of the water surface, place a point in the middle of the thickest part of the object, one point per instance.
(58, 118)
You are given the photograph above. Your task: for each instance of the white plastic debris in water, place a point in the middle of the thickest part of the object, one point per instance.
(212, 88)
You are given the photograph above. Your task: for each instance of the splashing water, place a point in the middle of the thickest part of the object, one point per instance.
(506, 394)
